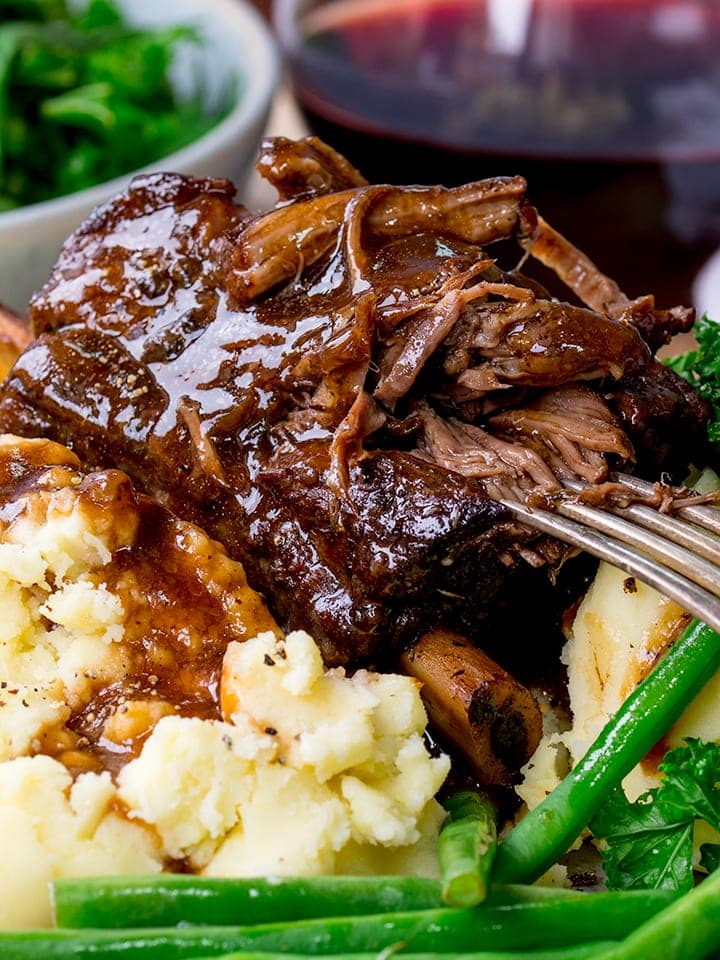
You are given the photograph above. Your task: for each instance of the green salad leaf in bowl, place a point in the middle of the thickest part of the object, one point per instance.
(86, 96)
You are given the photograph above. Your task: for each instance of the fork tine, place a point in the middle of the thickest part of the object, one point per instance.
(667, 552)
(707, 517)
(679, 531)
(691, 597)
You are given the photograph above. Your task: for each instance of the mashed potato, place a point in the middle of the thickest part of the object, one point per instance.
(619, 631)
(151, 711)
(306, 762)
(52, 827)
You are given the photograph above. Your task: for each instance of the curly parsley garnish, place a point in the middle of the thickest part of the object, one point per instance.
(648, 844)
(701, 368)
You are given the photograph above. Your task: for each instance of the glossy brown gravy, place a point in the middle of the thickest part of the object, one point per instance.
(183, 602)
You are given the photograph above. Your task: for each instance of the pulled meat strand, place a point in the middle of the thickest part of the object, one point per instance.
(540, 343)
(413, 345)
(302, 168)
(278, 246)
(508, 470)
(575, 269)
(600, 292)
(572, 428)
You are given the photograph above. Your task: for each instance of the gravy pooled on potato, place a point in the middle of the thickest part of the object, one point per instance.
(153, 716)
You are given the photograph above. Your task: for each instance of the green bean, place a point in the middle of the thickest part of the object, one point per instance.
(168, 899)
(688, 929)
(466, 849)
(586, 951)
(549, 830)
(551, 921)
(165, 900)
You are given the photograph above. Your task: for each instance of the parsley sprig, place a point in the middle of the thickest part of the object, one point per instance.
(649, 843)
(701, 368)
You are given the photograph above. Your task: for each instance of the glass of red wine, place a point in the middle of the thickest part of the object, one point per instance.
(609, 108)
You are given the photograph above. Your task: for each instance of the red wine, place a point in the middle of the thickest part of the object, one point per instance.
(610, 108)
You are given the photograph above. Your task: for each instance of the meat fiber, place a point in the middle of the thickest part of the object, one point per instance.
(341, 388)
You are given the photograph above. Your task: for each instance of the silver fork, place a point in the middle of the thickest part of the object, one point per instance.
(679, 555)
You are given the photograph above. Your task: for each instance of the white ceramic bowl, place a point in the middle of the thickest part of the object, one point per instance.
(237, 42)
(706, 291)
